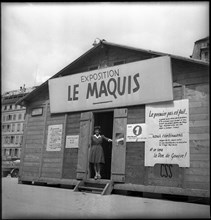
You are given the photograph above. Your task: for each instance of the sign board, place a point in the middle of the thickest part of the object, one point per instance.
(168, 133)
(122, 85)
(72, 141)
(136, 132)
(54, 139)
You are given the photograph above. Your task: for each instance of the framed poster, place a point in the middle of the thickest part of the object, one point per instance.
(54, 139)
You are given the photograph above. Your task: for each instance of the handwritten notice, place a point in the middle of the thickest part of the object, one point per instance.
(72, 141)
(136, 132)
(54, 139)
(168, 133)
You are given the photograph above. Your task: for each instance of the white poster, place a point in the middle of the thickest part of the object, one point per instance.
(54, 140)
(121, 85)
(168, 133)
(136, 132)
(72, 141)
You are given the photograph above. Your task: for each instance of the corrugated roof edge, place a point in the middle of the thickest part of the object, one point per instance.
(114, 45)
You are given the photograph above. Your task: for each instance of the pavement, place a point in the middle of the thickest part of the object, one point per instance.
(21, 201)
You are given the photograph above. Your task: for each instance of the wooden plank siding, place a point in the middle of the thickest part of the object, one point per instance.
(52, 167)
(71, 154)
(134, 167)
(198, 174)
(33, 144)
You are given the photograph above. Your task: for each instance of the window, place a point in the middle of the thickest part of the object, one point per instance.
(13, 127)
(16, 107)
(8, 128)
(4, 128)
(10, 152)
(12, 141)
(18, 127)
(16, 152)
(14, 117)
(5, 107)
(5, 152)
(10, 108)
(19, 116)
(21, 139)
(9, 117)
(7, 140)
(16, 139)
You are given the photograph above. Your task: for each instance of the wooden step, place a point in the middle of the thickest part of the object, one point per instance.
(90, 188)
(93, 186)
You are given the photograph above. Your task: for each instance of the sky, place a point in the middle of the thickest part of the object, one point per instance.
(40, 39)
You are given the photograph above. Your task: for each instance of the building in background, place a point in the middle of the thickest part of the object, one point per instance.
(13, 117)
(201, 49)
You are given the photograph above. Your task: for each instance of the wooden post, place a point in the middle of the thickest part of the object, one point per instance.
(84, 141)
(119, 145)
(63, 141)
(43, 141)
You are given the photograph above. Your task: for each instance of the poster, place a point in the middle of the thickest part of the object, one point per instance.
(136, 132)
(54, 139)
(168, 133)
(72, 141)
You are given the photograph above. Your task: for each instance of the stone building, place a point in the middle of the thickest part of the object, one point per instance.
(13, 117)
(201, 49)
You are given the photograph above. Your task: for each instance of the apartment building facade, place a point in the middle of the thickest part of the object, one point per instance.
(13, 117)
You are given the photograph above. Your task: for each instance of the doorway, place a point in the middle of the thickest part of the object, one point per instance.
(105, 121)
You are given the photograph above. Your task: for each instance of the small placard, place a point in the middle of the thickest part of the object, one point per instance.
(136, 132)
(72, 141)
(37, 111)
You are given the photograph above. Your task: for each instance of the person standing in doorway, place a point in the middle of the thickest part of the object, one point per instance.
(96, 151)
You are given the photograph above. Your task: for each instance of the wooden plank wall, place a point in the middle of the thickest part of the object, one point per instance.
(134, 169)
(51, 166)
(198, 175)
(193, 87)
(71, 154)
(195, 83)
(33, 144)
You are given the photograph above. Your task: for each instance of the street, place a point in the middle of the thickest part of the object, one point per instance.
(21, 201)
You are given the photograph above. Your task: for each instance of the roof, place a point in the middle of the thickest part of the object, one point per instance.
(202, 39)
(103, 42)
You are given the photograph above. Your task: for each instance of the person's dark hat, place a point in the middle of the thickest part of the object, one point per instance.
(97, 128)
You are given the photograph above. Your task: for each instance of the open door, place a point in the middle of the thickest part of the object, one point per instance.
(84, 141)
(119, 145)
